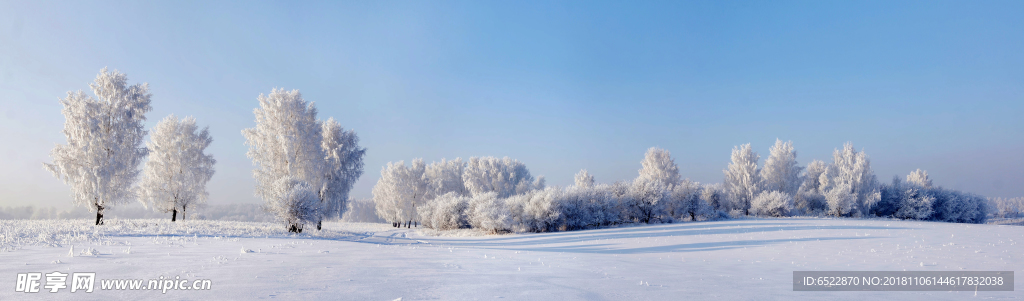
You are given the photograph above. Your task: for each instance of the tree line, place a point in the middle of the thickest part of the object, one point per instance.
(500, 195)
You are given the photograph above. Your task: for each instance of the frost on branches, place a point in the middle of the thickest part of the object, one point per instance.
(175, 176)
(742, 177)
(505, 176)
(289, 142)
(584, 179)
(850, 174)
(781, 172)
(342, 167)
(659, 167)
(104, 137)
(772, 203)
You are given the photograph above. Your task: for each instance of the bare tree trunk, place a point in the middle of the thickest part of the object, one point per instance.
(174, 214)
(99, 215)
(318, 225)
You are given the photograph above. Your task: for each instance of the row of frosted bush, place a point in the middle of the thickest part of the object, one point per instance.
(911, 201)
(575, 207)
(906, 200)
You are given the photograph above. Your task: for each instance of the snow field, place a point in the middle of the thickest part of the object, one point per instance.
(728, 260)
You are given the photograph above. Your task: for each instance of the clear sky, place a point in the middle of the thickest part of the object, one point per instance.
(559, 85)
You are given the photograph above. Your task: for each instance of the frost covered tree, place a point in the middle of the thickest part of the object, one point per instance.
(715, 196)
(1007, 207)
(584, 179)
(646, 201)
(289, 142)
(810, 198)
(686, 201)
(175, 176)
(342, 167)
(400, 190)
(780, 171)
(104, 142)
(445, 212)
(658, 166)
(851, 172)
(742, 178)
(919, 177)
(840, 201)
(286, 143)
(505, 176)
(445, 177)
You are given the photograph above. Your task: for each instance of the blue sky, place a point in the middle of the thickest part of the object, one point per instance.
(559, 85)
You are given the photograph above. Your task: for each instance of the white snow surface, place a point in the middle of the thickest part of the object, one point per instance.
(750, 259)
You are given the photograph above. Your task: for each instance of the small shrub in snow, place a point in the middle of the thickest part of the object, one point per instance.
(772, 203)
(294, 202)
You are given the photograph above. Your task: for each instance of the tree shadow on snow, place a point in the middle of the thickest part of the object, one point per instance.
(679, 248)
(689, 229)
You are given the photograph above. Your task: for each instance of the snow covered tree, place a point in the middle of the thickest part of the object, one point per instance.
(584, 179)
(286, 143)
(914, 202)
(445, 177)
(781, 172)
(715, 196)
(400, 190)
(851, 171)
(505, 176)
(658, 166)
(919, 177)
(840, 200)
(175, 176)
(686, 201)
(742, 178)
(810, 198)
(646, 201)
(104, 137)
(342, 167)
(1007, 207)
(289, 142)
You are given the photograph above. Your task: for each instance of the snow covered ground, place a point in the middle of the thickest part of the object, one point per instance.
(723, 260)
